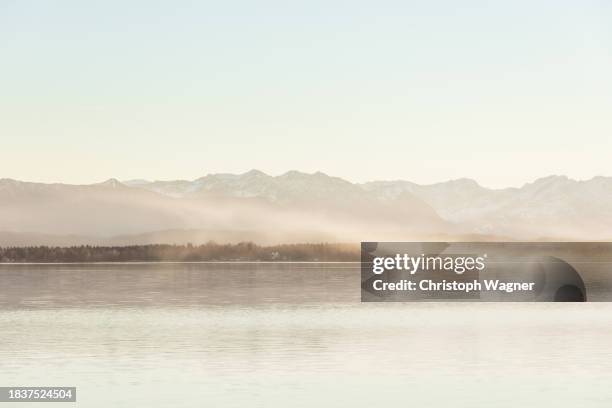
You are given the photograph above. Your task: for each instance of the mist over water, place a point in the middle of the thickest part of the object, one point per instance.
(278, 335)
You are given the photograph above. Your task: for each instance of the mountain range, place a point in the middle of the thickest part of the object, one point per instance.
(300, 207)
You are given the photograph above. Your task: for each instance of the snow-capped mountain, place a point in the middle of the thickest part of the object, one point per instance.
(294, 207)
(298, 206)
(288, 187)
(553, 207)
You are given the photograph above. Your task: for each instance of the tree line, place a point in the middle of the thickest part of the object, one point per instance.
(244, 251)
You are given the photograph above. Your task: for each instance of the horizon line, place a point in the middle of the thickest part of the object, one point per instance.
(133, 181)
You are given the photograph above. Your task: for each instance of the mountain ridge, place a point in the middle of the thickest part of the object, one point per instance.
(309, 205)
(294, 206)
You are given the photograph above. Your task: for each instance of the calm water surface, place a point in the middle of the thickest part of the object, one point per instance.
(289, 335)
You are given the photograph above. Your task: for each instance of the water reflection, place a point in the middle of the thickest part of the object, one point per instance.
(236, 336)
(175, 284)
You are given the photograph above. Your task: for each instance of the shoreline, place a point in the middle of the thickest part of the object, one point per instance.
(177, 262)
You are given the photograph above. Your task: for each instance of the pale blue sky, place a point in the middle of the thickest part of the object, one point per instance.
(502, 92)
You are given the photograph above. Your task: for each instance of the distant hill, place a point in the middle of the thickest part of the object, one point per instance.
(294, 207)
(553, 207)
(299, 207)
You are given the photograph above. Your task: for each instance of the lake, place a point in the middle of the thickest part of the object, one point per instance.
(288, 335)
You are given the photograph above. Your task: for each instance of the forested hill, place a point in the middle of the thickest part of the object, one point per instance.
(183, 253)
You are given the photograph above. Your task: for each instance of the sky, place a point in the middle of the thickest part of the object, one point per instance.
(503, 92)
